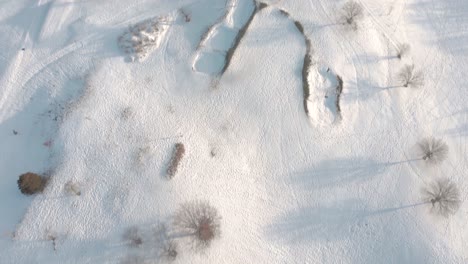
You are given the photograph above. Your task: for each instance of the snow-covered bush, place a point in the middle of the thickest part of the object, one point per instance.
(432, 150)
(73, 188)
(351, 13)
(444, 197)
(403, 50)
(139, 40)
(31, 183)
(199, 221)
(409, 77)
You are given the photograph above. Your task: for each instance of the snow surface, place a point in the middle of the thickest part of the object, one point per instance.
(290, 188)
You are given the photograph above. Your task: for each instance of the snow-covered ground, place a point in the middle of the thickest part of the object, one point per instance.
(328, 187)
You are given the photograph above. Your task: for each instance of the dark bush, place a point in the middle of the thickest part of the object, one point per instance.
(31, 183)
(178, 153)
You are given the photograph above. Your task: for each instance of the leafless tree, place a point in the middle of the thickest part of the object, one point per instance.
(200, 221)
(351, 13)
(403, 50)
(444, 197)
(408, 76)
(432, 151)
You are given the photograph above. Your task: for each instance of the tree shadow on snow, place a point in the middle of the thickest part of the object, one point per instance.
(448, 19)
(329, 173)
(345, 221)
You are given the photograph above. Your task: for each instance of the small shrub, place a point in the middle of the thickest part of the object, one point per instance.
(443, 196)
(409, 77)
(133, 237)
(186, 15)
(170, 251)
(31, 183)
(139, 40)
(72, 188)
(199, 221)
(284, 12)
(432, 150)
(262, 5)
(177, 155)
(403, 50)
(126, 113)
(339, 91)
(51, 236)
(351, 13)
(133, 259)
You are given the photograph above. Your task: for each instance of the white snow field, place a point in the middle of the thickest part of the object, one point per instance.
(324, 187)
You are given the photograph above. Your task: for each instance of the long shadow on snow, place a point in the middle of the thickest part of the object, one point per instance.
(448, 19)
(29, 136)
(334, 172)
(346, 221)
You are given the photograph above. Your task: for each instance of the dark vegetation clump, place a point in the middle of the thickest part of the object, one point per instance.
(284, 12)
(237, 41)
(307, 63)
(299, 27)
(133, 237)
(199, 221)
(31, 183)
(262, 5)
(177, 155)
(339, 90)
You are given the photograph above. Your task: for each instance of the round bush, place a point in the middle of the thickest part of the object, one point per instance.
(30, 183)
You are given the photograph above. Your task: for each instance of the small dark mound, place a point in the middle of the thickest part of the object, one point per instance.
(31, 183)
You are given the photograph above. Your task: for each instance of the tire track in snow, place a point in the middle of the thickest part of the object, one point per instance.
(17, 77)
(13, 70)
(58, 12)
(218, 45)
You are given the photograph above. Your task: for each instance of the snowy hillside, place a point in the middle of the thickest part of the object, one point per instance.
(286, 122)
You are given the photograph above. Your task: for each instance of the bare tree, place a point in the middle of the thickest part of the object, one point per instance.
(444, 197)
(432, 150)
(351, 13)
(199, 221)
(403, 50)
(408, 76)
